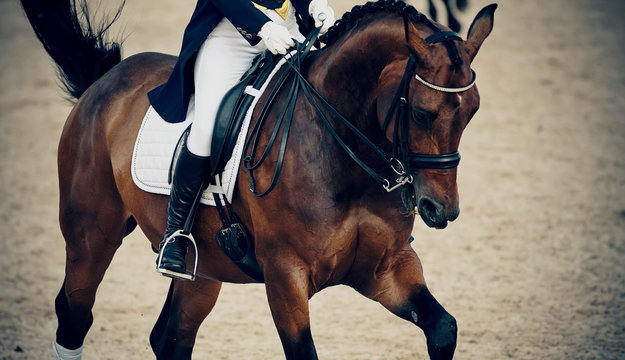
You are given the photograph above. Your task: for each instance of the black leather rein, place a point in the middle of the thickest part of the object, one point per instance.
(402, 161)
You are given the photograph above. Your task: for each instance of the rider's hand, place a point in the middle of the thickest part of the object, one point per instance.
(276, 37)
(318, 7)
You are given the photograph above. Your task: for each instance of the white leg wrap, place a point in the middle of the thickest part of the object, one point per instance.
(61, 353)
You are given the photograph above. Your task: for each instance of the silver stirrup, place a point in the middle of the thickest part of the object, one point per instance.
(173, 274)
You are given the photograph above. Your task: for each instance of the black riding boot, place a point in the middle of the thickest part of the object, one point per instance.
(189, 174)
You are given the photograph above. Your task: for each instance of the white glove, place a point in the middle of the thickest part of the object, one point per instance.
(276, 37)
(318, 7)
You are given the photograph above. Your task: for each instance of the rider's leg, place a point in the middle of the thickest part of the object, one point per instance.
(189, 174)
(219, 64)
(222, 60)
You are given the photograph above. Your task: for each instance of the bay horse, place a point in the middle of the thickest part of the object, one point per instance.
(326, 222)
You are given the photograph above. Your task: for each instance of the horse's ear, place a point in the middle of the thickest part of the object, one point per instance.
(421, 48)
(480, 29)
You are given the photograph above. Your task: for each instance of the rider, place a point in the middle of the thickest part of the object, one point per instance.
(219, 43)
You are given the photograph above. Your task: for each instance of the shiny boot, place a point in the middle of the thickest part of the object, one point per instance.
(189, 174)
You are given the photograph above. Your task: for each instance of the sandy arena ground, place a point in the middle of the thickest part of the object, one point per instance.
(534, 268)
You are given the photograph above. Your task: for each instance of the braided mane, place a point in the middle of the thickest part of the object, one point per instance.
(350, 18)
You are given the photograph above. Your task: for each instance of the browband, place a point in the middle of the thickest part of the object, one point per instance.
(446, 89)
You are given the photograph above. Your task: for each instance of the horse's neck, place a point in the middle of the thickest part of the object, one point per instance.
(348, 73)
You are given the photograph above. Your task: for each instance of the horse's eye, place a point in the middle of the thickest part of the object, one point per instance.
(422, 118)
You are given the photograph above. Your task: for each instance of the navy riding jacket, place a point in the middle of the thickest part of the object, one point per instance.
(171, 99)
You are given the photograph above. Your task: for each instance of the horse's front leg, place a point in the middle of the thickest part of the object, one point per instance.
(187, 305)
(398, 284)
(288, 294)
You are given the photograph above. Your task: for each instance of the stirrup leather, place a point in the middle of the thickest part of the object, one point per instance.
(173, 274)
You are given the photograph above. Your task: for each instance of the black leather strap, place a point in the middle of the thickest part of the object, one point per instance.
(398, 106)
(447, 38)
(285, 117)
(442, 36)
(234, 240)
(443, 161)
(225, 220)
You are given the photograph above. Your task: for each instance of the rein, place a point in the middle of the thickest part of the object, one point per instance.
(285, 116)
(401, 150)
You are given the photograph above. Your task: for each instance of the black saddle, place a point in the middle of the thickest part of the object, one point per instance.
(233, 109)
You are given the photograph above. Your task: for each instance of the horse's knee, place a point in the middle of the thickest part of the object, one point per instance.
(441, 337)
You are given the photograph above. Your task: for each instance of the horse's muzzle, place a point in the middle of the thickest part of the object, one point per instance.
(434, 213)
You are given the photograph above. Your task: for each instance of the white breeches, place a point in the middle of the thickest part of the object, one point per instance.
(221, 61)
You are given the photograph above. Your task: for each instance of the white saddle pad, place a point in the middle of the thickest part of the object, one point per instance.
(156, 142)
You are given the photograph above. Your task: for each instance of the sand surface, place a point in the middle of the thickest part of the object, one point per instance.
(534, 268)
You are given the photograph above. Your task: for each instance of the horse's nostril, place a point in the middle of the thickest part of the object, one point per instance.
(432, 213)
(426, 206)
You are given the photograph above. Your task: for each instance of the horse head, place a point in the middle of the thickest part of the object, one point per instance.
(426, 98)
(401, 73)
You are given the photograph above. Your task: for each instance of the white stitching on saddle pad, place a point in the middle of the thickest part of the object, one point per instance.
(156, 142)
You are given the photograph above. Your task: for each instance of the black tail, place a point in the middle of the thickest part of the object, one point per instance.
(78, 47)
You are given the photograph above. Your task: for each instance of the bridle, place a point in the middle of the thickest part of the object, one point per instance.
(446, 89)
(409, 160)
(402, 161)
